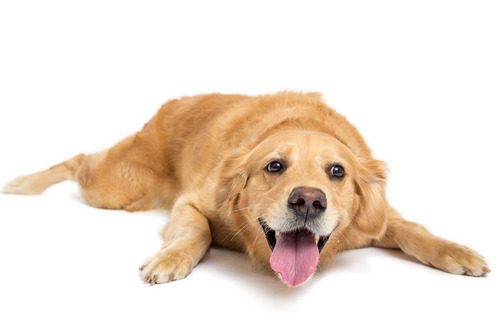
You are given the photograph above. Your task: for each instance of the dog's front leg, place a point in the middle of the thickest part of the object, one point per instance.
(186, 240)
(416, 241)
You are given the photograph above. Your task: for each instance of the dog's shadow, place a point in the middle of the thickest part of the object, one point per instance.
(235, 265)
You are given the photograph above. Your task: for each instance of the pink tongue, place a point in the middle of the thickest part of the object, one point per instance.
(295, 256)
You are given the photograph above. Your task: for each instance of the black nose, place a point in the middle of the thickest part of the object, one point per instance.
(307, 201)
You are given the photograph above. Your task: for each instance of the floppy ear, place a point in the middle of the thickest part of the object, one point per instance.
(371, 206)
(233, 178)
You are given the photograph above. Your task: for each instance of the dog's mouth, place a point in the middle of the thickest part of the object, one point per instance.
(295, 254)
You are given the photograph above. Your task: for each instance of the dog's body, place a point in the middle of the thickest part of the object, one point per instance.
(281, 177)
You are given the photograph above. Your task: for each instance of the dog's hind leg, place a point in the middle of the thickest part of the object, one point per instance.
(186, 239)
(127, 176)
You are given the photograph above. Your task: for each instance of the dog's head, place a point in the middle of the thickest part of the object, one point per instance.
(296, 188)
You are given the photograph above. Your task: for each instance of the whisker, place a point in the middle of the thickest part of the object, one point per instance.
(245, 227)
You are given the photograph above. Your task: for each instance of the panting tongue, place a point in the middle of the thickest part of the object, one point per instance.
(295, 256)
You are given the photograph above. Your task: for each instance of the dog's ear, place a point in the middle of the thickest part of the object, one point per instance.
(233, 179)
(370, 215)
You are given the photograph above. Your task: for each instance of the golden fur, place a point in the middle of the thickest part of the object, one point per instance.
(203, 158)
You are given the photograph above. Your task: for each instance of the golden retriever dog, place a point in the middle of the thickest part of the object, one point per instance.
(283, 178)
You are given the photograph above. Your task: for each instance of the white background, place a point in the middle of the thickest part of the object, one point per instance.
(420, 79)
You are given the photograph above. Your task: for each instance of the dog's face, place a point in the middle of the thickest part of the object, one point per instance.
(299, 188)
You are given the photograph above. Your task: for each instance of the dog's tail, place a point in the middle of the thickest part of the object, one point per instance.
(37, 183)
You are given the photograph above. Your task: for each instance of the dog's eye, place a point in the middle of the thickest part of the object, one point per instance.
(337, 171)
(275, 166)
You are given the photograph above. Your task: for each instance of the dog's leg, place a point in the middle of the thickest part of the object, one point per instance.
(416, 241)
(125, 176)
(186, 238)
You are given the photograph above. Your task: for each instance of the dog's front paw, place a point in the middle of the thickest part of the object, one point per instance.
(459, 259)
(166, 266)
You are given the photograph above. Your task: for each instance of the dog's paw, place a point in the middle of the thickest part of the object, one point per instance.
(459, 259)
(166, 266)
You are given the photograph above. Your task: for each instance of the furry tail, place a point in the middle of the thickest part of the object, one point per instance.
(37, 183)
